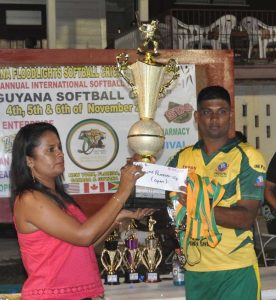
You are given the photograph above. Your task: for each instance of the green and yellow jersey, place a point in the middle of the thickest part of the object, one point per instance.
(240, 169)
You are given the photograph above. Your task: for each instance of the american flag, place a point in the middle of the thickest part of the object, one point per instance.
(72, 188)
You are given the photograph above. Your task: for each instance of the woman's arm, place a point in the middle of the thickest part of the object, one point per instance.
(35, 211)
(123, 217)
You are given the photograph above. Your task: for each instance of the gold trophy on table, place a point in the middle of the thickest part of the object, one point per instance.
(149, 81)
(151, 254)
(111, 259)
(131, 254)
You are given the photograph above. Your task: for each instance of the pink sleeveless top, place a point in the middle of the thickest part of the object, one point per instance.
(57, 269)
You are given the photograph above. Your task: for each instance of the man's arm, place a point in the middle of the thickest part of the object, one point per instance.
(241, 216)
(270, 193)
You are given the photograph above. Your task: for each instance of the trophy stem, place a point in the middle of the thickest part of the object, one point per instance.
(146, 158)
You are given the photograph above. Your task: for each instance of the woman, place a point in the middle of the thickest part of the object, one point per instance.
(55, 237)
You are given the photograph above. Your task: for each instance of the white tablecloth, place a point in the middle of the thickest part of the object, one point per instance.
(166, 290)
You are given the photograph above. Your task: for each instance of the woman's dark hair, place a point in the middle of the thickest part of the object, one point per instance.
(213, 92)
(26, 140)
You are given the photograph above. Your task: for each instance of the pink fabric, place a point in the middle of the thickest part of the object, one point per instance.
(57, 269)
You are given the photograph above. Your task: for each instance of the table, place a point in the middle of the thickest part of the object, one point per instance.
(166, 290)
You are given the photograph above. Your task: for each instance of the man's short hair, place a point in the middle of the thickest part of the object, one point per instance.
(213, 92)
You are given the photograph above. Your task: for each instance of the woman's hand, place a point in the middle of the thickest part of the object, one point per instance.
(129, 174)
(137, 214)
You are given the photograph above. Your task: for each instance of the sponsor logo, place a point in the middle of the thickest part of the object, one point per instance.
(222, 167)
(174, 144)
(179, 113)
(190, 168)
(262, 167)
(92, 144)
(259, 181)
(6, 143)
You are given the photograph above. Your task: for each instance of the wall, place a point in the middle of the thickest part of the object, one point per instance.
(81, 24)
(256, 95)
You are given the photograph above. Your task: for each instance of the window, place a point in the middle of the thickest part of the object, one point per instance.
(244, 110)
(256, 121)
(268, 133)
(23, 21)
(257, 142)
(244, 130)
(23, 17)
(268, 109)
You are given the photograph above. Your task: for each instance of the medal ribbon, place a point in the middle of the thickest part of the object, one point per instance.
(203, 194)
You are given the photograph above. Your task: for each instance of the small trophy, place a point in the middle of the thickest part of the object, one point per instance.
(146, 79)
(111, 259)
(151, 254)
(131, 254)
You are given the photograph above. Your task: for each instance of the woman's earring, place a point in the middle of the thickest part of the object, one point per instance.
(32, 175)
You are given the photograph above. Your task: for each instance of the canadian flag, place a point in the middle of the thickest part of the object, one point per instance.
(94, 187)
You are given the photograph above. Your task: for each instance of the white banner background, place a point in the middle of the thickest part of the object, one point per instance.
(93, 109)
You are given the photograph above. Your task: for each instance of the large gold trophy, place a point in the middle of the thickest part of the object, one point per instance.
(148, 81)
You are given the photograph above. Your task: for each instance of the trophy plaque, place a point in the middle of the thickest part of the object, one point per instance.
(149, 81)
(111, 259)
(131, 254)
(151, 254)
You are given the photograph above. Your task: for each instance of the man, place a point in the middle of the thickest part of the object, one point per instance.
(269, 207)
(229, 270)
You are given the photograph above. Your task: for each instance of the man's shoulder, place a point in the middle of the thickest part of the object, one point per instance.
(173, 160)
(185, 150)
(250, 151)
(255, 157)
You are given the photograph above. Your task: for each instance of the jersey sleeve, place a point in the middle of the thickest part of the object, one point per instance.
(252, 176)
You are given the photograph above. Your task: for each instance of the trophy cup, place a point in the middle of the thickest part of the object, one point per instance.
(151, 254)
(149, 81)
(131, 254)
(111, 259)
(146, 79)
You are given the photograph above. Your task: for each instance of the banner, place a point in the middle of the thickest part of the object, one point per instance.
(93, 109)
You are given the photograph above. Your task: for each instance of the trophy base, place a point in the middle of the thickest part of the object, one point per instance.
(152, 277)
(132, 277)
(146, 198)
(111, 279)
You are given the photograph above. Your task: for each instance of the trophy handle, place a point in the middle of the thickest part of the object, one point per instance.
(120, 259)
(160, 257)
(136, 258)
(171, 67)
(112, 258)
(103, 261)
(148, 262)
(122, 65)
(144, 260)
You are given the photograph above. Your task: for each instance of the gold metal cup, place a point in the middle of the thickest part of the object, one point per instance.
(131, 254)
(147, 79)
(111, 258)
